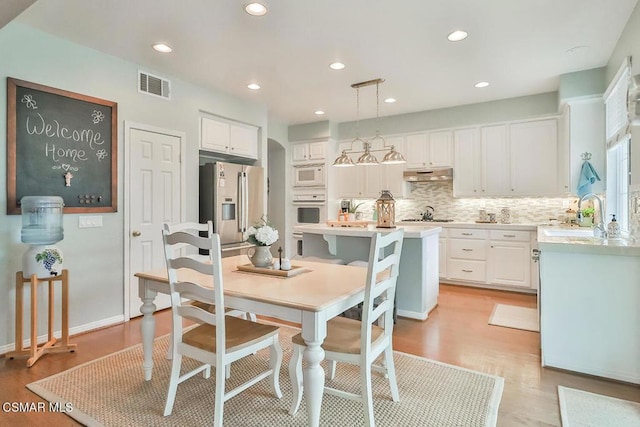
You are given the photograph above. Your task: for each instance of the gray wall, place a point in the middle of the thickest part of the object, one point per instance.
(94, 256)
(582, 83)
(463, 115)
(307, 131)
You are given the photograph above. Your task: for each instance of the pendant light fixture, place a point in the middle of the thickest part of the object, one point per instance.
(367, 158)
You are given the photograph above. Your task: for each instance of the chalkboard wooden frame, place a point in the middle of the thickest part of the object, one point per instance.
(106, 199)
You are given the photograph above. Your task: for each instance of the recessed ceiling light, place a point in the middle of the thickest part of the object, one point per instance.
(253, 86)
(337, 66)
(161, 47)
(390, 100)
(457, 35)
(255, 9)
(319, 113)
(481, 84)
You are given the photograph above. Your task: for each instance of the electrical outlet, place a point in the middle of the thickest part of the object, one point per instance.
(90, 221)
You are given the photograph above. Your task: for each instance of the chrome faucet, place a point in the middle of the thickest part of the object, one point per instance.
(598, 230)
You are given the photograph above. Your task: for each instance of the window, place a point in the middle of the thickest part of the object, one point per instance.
(618, 142)
(618, 183)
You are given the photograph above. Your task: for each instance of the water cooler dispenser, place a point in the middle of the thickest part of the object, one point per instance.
(42, 229)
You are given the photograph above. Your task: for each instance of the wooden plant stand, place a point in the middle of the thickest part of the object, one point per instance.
(52, 345)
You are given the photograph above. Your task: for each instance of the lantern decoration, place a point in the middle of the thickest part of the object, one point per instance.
(386, 209)
(41, 229)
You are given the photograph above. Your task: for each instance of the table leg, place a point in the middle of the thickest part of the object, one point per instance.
(313, 332)
(34, 321)
(148, 329)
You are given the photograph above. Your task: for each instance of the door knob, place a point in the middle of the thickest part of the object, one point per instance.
(136, 233)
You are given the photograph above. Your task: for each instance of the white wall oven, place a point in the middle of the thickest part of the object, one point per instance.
(309, 176)
(310, 208)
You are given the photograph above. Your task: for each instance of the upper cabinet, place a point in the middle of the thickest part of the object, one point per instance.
(516, 159)
(227, 137)
(308, 152)
(429, 150)
(534, 158)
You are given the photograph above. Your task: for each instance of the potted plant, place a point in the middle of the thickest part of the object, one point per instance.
(353, 209)
(587, 217)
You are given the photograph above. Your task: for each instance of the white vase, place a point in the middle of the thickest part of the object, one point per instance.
(42, 260)
(260, 256)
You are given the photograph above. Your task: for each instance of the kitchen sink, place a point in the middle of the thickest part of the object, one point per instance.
(568, 232)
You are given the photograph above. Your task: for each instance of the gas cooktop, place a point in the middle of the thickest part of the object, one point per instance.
(426, 220)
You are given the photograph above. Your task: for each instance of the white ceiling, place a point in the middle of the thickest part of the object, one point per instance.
(519, 46)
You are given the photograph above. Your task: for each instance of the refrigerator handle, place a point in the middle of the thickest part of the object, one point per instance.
(240, 203)
(245, 193)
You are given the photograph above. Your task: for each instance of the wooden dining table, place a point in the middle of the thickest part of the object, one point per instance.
(310, 298)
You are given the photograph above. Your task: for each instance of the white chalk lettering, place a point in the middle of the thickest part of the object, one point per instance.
(60, 153)
(39, 126)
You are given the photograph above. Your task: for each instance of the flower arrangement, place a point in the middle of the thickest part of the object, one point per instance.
(262, 234)
(588, 212)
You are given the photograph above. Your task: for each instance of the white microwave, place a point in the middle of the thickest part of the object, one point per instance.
(309, 176)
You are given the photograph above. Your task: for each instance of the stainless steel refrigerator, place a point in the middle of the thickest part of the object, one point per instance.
(232, 196)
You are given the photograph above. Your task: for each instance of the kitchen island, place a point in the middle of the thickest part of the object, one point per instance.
(418, 283)
(589, 297)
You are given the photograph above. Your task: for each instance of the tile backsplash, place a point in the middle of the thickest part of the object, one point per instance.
(439, 195)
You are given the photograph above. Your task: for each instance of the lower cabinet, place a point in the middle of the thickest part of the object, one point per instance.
(498, 258)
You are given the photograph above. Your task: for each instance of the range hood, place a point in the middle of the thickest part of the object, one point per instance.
(429, 175)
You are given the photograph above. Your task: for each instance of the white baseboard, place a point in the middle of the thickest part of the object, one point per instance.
(72, 331)
(413, 314)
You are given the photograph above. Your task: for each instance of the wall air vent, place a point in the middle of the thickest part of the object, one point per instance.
(154, 85)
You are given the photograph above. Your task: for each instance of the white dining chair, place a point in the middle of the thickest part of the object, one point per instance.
(361, 342)
(219, 339)
(204, 229)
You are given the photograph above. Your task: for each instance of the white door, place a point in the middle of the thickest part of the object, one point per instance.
(155, 197)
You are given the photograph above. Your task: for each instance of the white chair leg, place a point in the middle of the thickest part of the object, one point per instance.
(295, 374)
(252, 317)
(367, 394)
(173, 384)
(219, 397)
(275, 361)
(227, 371)
(391, 373)
(207, 372)
(332, 369)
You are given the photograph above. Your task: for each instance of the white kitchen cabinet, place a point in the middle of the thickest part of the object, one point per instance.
(466, 255)
(442, 252)
(366, 182)
(467, 171)
(226, 137)
(494, 160)
(510, 260)
(429, 150)
(489, 257)
(533, 158)
(308, 152)
(583, 131)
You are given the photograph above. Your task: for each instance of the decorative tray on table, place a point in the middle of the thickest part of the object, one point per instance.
(295, 270)
(356, 223)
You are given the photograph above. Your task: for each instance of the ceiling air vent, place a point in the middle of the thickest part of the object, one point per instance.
(154, 85)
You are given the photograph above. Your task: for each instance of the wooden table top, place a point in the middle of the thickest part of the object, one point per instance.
(321, 286)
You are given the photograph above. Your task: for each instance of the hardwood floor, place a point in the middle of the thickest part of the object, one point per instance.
(456, 332)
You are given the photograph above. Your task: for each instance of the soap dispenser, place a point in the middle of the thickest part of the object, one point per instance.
(613, 229)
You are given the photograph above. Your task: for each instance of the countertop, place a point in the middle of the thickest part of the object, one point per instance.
(410, 231)
(472, 224)
(552, 238)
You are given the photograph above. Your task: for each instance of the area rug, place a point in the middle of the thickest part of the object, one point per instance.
(581, 408)
(512, 316)
(111, 391)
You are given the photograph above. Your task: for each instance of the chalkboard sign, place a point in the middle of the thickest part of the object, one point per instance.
(61, 143)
